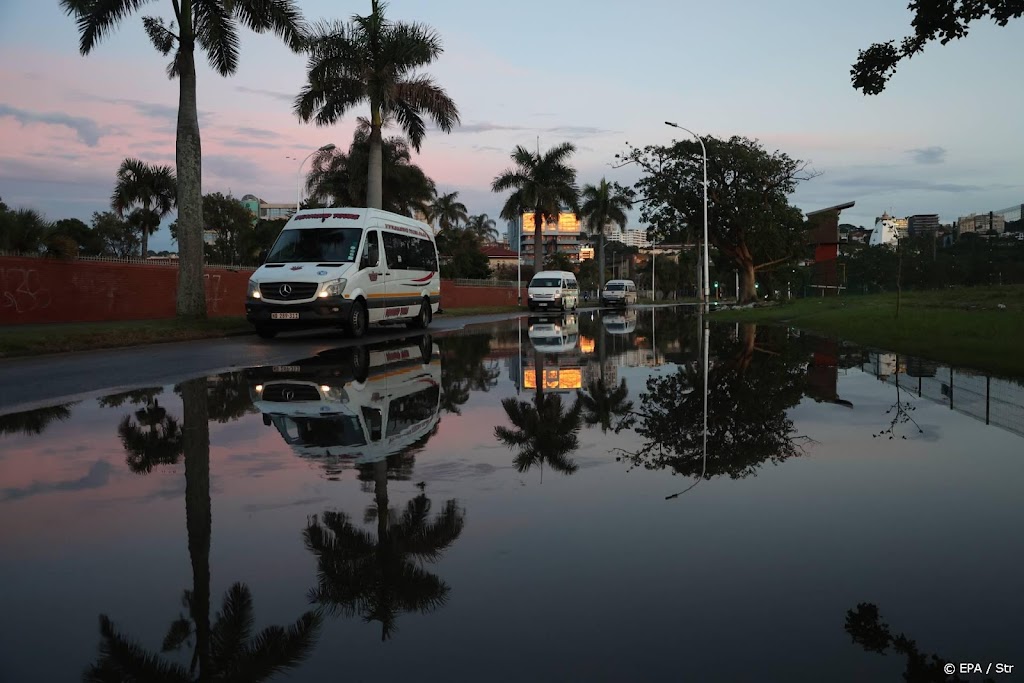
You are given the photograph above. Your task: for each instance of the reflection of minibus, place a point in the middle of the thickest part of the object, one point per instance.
(556, 334)
(348, 268)
(338, 409)
(620, 323)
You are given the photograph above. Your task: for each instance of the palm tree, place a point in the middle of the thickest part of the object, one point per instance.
(603, 204)
(339, 178)
(23, 231)
(602, 404)
(213, 26)
(378, 579)
(34, 422)
(483, 227)
(154, 438)
(373, 60)
(151, 190)
(543, 185)
(448, 211)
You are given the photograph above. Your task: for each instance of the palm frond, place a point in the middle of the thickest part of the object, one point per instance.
(215, 32)
(233, 623)
(162, 36)
(95, 19)
(283, 17)
(122, 659)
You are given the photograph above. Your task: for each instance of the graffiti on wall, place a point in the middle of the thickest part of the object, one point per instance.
(211, 284)
(22, 290)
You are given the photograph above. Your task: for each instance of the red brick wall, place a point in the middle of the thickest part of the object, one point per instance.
(465, 296)
(39, 290)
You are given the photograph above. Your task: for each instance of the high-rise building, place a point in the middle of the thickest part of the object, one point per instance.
(921, 224)
(888, 230)
(561, 236)
(266, 210)
(981, 223)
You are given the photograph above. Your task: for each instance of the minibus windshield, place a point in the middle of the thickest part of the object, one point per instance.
(311, 245)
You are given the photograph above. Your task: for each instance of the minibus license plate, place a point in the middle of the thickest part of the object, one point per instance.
(284, 316)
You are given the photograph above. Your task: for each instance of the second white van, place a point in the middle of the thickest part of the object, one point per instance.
(618, 293)
(346, 267)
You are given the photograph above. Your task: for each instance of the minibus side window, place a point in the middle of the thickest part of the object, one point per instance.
(371, 251)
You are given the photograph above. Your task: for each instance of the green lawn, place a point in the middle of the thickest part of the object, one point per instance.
(963, 327)
(30, 340)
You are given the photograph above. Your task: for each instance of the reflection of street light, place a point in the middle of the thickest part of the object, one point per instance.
(704, 151)
(298, 174)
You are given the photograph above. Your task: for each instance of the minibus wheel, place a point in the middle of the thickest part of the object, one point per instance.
(355, 326)
(423, 318)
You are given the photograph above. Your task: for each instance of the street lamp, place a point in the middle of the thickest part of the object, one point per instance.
(298, 174)
(704, 151)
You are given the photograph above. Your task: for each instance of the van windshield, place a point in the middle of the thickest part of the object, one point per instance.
(546, 282)
(310, 245)
(615, 287)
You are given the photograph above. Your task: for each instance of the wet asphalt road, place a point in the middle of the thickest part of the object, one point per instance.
(27, 383)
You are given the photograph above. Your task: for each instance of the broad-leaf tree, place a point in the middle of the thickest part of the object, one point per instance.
(541, 185)
(339, 178)
(146, 191)
(447, 211)
(213, 26)
(119, 237)
(602, 205)
(750, 219)
(934, 20)
(230, 221)
(372, 60)
(483, 227)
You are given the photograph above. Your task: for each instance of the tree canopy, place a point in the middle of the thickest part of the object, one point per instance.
(941, 20)
(750, 219)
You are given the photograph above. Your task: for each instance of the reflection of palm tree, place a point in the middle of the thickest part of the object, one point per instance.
(33, 422)
(221, 652)
(137, 397)
(155, 439)
(381, 578)
(544, 432)
(602, 403)
(229, 397)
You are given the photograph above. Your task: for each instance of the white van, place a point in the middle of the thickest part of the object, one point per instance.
(345, 411)
(346, 267)
(553, 289)
(618, 293)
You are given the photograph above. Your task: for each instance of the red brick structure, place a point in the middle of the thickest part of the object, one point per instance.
(823, 236)
(44, 290)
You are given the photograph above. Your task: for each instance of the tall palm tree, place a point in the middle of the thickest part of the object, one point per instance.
(223, 650)
(153, 438)
(150, 191)
(545, 432)
(373, 60)
(483, 227)
(380, 578)
(213, 26)
(603, 404)
(23, 231)
(339, 178)
(34, 422)
(543, 186)
(448, 211)
(603, 204)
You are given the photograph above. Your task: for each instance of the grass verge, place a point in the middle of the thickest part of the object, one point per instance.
(962, 327)
(30, 340)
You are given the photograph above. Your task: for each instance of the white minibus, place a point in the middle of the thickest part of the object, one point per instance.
(349, 268)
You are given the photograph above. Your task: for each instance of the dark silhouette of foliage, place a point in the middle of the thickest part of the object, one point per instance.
(34, 422)
(153, 438)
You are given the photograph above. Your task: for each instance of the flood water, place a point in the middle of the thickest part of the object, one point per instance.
(559, 498)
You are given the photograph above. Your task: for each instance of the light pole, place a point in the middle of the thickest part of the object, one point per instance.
(298, 174)
(704, 151)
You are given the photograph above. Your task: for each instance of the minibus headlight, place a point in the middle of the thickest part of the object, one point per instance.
(333, 288)
(254, 290)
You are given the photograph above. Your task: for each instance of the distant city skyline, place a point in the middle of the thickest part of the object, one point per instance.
(776, 73)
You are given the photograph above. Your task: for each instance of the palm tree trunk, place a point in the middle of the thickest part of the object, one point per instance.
(375, 177)
(188, 159)
(380, 490)
(538, 256)
(198, 516)
(600, 260)
(145, 232)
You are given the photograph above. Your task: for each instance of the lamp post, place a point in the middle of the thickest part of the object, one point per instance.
(704, 151)
(298, 174)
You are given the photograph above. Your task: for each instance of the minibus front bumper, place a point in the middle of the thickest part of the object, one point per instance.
(327, 311)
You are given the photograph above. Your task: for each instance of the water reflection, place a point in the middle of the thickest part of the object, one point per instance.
(34, 422)
(221, 651)
(752, 380)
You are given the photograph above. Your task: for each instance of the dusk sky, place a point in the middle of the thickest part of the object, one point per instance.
(943, 138)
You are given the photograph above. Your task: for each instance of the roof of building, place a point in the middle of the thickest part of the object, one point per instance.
(498, 251)
(837, 207)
